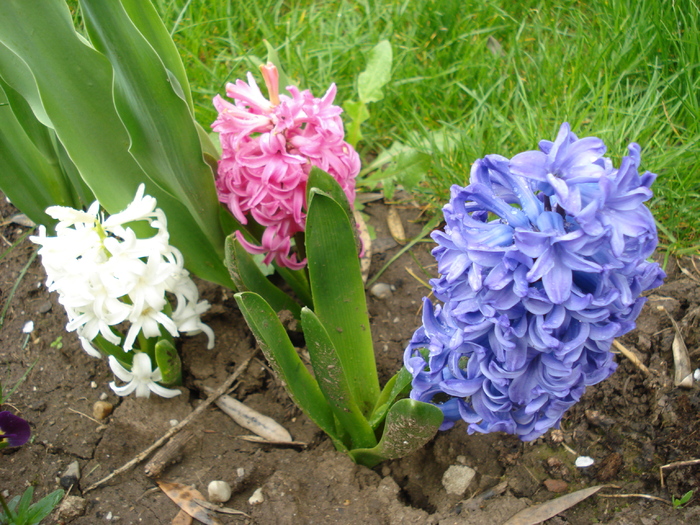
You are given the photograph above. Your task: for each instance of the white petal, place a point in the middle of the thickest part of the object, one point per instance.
(91, 350)
(144, 389)
(141, 366)
(119, 371)
(164, 392)
(122, 390)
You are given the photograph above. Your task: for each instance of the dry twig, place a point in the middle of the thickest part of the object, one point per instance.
(632, 357)
(676, 464)
(174, 430)
(645, 496)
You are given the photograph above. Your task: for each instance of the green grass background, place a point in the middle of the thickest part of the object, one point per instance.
(493, 76)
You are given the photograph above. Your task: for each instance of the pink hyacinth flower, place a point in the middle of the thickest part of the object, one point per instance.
(268, 150)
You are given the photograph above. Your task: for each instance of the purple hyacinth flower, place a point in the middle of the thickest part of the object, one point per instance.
(14, 431)
(542, 264)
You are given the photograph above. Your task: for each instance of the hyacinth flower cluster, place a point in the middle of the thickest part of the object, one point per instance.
(106, 275)
(268, 149)
(542, 263)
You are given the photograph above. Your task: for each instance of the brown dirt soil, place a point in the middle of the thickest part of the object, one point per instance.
(630, 424)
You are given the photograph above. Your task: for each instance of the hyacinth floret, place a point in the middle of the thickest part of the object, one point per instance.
(268, 149)
(542, 262)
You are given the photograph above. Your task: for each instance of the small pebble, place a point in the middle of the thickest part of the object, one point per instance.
(257, 498)
(173, 422)
(93, 384)
(71, 476)
(45, 307)
(556, 485)
(108, 516)
(103, 396)
(219, 491)
(71, 507)
(6, 493)
(101, 409)
(240, 472)
(696, 375)
(457, 479)
(382, 290)
(28, 327)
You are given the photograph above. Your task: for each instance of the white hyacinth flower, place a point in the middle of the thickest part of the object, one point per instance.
(105, 275)
(141, 379)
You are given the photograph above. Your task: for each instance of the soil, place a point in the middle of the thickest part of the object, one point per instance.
(631, 424)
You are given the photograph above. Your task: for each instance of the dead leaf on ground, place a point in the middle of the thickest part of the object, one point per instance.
(549, 509)
(182, 518)
(683, 372)
(396, 226)
(184, 497)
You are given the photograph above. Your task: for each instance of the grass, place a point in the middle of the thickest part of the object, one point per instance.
(471, 78)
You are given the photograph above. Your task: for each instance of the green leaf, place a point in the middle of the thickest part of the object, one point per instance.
(411, 168)
(286, 363)
(397, 386)
(17, 74)
(168, 360)
(358, 112)
(247, 276)
(409, 426)
(146, 19)
(331, 379)
(24, 502)
(297, 281)
(41, 136)
(377, 73)
(164, 139)
(26, 177)
(107, 348)
(322, 180)
(339, 295)
(325, 182)
(44, 506)
(74, 86)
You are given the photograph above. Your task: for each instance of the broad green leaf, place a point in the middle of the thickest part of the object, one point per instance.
(331, 379)
(327, 184)
(26, 177)
(411, 168)
(339, 294)
(409, 426)
(24, 502)
(42, 137)
(358, 112)
(75, 87)
(297, 281)
(168, 360)
(286, 363)
(164, 139)
(146, 19)
(323, 181)
(397, 386)
(125, 358)
(377, 73)
(17, 74)
(44, 506)
(74, 83)
(247, 277)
